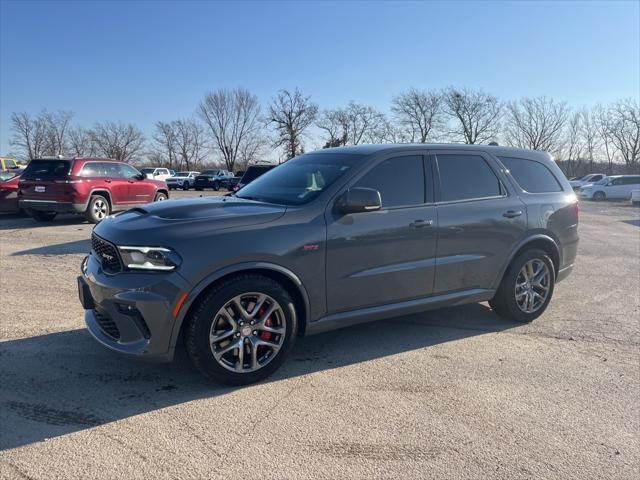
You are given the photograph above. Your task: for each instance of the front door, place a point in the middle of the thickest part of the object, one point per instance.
(479, 222)
(384, 256)
(138, 191)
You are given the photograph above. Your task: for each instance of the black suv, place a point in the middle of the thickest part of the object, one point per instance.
(329, 239)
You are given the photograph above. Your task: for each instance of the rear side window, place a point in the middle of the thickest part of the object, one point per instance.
(47, 168)
(532, 176)
(631, 181)
(91, 169)
(465, 177)
(399, 180)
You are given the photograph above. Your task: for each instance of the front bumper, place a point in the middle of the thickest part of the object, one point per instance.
(52, 206)
(131, 312)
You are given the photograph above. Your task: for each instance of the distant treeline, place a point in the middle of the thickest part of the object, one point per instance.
(231, 128)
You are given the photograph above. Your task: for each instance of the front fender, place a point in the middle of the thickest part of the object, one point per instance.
(223, 272)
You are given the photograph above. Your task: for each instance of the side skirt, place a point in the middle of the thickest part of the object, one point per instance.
(369, 314)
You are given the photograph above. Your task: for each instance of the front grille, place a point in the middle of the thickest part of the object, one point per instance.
(107, 253)
(107, 325)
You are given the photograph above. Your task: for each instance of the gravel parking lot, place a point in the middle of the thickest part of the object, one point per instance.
(456, 393)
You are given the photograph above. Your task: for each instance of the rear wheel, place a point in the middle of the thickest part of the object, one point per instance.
(526, 288)
(42, 216)
(242, 330)
(216, 186)
(599, 196)
(185, 186)
(97, 209)
(160, 197)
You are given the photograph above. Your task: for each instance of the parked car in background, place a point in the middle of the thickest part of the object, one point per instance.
(613, 187)
(9, 191)
(591, 178)
(235, 180)
(172, 172)
(214, 179)
(156, 173)
(94, 187)
(8, 163)
(183, 180)
(327, 240)
(635, 197)
(253, 172)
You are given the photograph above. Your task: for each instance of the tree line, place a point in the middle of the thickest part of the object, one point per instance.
(231, 128)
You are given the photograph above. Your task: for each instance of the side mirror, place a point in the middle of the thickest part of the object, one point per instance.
(357, 200)
(140, 176)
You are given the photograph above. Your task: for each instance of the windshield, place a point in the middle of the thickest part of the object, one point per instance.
(148, 170)
(210, 172)
(299, 180)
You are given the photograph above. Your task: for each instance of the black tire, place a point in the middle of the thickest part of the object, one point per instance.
(200, 319)
(504, 302)
(160, 197)
(97, 209)
(216, 186)
(39, 216)
(599, 196)
(185, 186)
(198, 189)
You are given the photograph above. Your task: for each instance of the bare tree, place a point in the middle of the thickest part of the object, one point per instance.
(117, 140)
(190, 143)
(625, 131)
(418, 112)
(164, 144)
(352, 125)
(291, 113)
(80, 143)
(573, 145)
(535, 123)
(590, 136)
(604, 126)
(56, 131)
(29, 135)
(476, 114)
(233, 118)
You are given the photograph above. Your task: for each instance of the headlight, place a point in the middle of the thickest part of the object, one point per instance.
(149, 258)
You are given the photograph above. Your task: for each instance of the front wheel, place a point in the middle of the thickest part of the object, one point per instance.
(242, 330)
(526, 288)
(216, 186)
(599, 196)
(185, 186)
(97, 209)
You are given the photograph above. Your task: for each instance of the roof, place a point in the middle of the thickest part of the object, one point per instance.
(399, 147)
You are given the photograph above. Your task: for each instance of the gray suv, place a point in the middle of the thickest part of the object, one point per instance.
(326, 240)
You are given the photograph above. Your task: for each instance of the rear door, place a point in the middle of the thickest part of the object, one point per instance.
(479, 221)
(384, 256)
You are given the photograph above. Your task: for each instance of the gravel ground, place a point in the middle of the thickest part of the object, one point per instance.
(455, 393)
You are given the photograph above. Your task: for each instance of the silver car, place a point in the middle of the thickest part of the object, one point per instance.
(183, 180)
(326, 240)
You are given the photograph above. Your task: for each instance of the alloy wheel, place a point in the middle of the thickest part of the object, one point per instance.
(100, 209)
(532, 285)
(247, 332)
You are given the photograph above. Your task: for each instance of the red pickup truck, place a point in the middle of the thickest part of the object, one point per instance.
(94, 187)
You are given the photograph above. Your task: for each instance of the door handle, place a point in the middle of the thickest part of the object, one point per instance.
(422, 223)
(512, 213)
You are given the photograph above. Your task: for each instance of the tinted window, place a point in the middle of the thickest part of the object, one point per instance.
(631, 180)
(47, 168)
(91, 169)
(399, 180)
(464, 177)
(532, 176)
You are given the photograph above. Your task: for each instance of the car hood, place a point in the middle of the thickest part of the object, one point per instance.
(188, 217)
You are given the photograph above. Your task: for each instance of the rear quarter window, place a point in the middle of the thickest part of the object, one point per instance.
(532, 176)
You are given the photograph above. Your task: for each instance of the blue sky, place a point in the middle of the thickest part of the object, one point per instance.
(145, 61)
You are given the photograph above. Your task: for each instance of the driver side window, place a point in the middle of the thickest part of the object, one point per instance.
(400, 181)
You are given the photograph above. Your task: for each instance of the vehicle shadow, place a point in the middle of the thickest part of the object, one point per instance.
(63, 382)
(67, 248)
(14, 222)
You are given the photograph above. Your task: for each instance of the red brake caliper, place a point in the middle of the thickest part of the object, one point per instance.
(268, 323)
